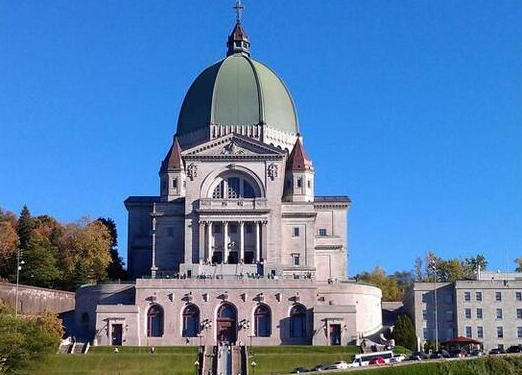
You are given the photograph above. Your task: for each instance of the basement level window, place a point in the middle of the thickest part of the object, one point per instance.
(323, 232)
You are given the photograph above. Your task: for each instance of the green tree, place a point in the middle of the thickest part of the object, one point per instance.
(391, 291)
(24, 227)
(25, 339)
(8, 245)
(404, 332)
(518, 261)
(477, 262)
(115, 269)
(450, 270)
(41, 266)
(84, 253)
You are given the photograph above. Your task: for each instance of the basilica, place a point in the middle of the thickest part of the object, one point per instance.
(236, 248)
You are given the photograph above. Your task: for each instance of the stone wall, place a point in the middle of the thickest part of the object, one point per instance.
(34, 300)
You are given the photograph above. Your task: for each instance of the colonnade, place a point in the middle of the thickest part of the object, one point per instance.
(207, 248)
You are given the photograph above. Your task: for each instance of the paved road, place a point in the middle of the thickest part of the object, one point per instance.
(409, 363)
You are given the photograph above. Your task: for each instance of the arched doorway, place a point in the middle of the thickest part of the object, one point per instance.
(226, 324)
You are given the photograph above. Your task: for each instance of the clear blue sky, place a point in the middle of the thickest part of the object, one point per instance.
(412, 108)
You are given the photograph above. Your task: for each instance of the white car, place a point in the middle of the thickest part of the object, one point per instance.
(341, 365)
(397, 358)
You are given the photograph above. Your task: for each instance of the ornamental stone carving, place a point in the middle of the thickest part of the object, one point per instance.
(232, 149)
(192, 171)
(272, 171)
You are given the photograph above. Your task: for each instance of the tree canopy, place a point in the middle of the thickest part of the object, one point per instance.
(58, 255)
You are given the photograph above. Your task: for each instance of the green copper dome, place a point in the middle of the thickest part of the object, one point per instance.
(238, 91)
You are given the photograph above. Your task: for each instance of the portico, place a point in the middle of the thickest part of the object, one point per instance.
(232, 241)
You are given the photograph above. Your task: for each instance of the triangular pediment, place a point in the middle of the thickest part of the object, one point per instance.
(233, 146)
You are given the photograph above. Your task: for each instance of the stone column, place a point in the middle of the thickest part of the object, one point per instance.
(241, 241)
(201, 252)
(225, 242)
(258, 245)
(209, 242)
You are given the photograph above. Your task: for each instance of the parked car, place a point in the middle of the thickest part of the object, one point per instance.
(417, 356)
(496, 351)
(340, 365)
(477, 353)
(440, 354)
(458, 353)
(299, 370)
(514, 349)
(320, 367)
(377, 361)
(397, 358)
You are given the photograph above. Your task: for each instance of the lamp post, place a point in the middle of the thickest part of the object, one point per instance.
(433, 266)
(19, 264)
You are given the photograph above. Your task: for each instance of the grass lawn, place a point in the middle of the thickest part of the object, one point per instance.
(130, 361)
(180, 360)
(283, 359)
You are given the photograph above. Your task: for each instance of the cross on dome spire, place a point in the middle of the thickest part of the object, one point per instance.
(239, 8)
(238, 40)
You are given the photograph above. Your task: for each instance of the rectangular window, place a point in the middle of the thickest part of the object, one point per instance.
(233, 228)
(323, 232)
(478, 296)
(296, 232)
(498, 296)
(424, 314)
(500, 332)
(479, 313)
(217, 228)
(175, 183)
(468, 331)
(309, 183)
(249, 228)
(295, 259)
(467, 296)
(499, 313)
(519, 332)
(518, 296)
(299, 182)
(448, 298)
(480, 332)
(424, 297)
(467, 313)
(448, 314)
(519, 313)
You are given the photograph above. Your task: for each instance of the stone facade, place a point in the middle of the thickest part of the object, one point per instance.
(488, 309)
(236, 247)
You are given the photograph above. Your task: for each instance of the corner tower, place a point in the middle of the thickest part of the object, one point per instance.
(300, 175)
(172, 174)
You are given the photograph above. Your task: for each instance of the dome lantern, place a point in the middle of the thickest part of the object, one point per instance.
(238, 41)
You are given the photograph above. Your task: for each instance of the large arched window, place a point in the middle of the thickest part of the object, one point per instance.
(298, 321)
(234, 186)
(190, 321)
(262, 321)
(155, 321)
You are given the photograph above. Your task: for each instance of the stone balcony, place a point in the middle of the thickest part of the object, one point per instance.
(214, 205)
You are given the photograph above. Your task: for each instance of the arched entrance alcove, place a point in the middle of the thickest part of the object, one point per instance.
(226, 324)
